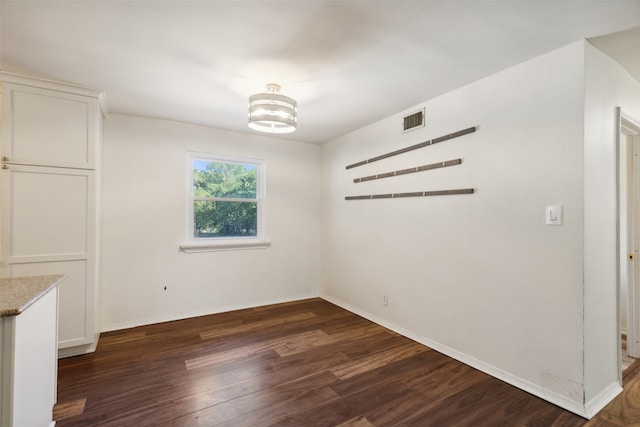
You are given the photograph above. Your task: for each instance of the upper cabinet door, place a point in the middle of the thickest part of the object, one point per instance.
(48, 127)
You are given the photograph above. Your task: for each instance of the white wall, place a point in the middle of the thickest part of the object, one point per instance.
(607, 86)
(144, 222)
(480, 277)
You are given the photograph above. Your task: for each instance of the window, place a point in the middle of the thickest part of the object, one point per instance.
(225, 203)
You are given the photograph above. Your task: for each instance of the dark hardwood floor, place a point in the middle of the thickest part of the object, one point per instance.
(306, 363)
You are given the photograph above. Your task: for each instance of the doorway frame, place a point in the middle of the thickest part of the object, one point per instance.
(628, 126)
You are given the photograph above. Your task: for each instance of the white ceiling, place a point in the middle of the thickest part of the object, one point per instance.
(347, 63)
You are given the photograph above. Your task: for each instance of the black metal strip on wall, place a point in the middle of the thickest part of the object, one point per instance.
(422, 168)
(414, 147)
(413, 194)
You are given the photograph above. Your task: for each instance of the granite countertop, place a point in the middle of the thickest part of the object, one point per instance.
(18, 293)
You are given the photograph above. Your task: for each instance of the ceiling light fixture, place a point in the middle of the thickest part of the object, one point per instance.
(272, 112)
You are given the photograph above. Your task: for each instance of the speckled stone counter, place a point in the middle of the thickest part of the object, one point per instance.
(18, 293)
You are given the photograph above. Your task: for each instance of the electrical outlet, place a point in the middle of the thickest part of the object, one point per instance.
(385, 299)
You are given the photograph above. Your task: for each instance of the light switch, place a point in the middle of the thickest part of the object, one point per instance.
(553, 215)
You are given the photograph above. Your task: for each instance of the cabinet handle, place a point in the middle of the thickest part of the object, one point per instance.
(5, 159)
(5, 167)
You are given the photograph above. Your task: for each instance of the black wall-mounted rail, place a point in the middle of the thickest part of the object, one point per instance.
(410, 170)
(413, 194)
(413, 147)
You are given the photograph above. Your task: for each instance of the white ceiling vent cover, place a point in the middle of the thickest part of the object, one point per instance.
(413, 121)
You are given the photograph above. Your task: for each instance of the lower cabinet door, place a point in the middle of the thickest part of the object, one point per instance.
(49, 227)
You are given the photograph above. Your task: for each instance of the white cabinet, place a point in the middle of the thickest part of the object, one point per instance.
(48, 223)
(28, 368)
(50, 144)
(48, 127)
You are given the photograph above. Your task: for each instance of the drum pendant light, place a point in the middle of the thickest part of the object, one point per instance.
(272, 112)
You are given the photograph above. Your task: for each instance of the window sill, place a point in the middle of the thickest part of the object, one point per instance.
(214, 247)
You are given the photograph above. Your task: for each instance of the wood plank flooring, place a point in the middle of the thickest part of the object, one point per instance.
(305, 363)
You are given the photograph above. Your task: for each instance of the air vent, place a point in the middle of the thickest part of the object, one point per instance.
(413, 121)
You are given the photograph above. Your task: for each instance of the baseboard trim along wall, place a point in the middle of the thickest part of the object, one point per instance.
(586, 411)
(79, 350)
(188, 315)
(601, 400)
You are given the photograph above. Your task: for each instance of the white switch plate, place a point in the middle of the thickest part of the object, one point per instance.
(553, 215)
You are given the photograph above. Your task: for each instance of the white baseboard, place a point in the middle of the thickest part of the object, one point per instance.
(188, 315)
(595, 405)
(585, 411)
(79, 349)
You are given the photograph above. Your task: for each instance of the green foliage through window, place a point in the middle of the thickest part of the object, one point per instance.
(225, 199)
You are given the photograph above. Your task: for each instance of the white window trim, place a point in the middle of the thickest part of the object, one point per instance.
(193, 245)
(193, 249)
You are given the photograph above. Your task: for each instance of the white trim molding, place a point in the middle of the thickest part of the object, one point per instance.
(595, 405)
(197, 248)
(188, 315)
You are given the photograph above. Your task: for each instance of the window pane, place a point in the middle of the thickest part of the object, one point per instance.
(225, 219)
(216, 179)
